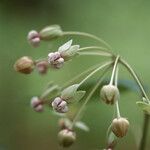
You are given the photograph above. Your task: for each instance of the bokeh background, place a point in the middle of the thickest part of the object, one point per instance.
(123, 24)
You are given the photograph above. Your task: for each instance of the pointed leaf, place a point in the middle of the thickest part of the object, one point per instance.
(65, 46)
(69, 92)
(81, 125)
(144, 106)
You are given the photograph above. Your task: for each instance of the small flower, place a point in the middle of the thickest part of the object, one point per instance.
(60, 105)
(120, 126)
(55, 60)
(109, 94)
(34, 38)
(51, 32)
(24, 65)
(66, 137)
(42, 66)
(37, 104)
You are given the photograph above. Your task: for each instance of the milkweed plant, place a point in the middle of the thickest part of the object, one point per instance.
(60, 99)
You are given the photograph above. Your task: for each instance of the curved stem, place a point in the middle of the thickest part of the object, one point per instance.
(96, 70)
(136, 78)
(81, 75)
(145, 132)
(102, 49)
(114, 70)
(87, 35)
(88, 98)
(95, 53)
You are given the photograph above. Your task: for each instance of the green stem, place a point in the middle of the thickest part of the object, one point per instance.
(95, 53)
(87, 35)
(88, 98)
(81, 75)
(116, 84)
(145, 132)
(114, 70)
(136, 78)
(146, 116)
(101, 49)
(96, 70)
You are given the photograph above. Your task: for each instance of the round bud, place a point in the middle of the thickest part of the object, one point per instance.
(42, 67)
(24, 65)
(33, 38)
(109, 94)
(120, 126)
(37, 104)
(60, 105)
(66, 137)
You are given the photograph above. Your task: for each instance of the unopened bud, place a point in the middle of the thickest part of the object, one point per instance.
(42, 67)
(60, 105)
(66, 137)
(51, 32)
(37, 104)
(55, 60)
(33, 38)
(120, 127)
(24, 65)
(109, 94)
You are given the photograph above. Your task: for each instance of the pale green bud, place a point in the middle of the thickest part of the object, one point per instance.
(66, 137)
(50, 32)
(109, 94)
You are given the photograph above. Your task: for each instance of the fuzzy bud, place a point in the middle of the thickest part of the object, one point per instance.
(42, 67)
(37, 104)
(24, 65)
(109, 94)
(55, 60)
(59, 105)
(66, 137)
(120, 127)
(34, 38)
(51, 32)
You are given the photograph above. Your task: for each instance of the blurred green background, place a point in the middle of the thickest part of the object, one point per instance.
(123, 24)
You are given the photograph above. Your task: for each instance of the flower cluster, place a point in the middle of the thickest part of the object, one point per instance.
(62, 98)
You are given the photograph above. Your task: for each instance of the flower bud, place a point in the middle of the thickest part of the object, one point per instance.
(33, 38)
(60, 105)
(24, 65)
(51, 32)
(120, 126)
(66, 137)
(42, 67)
(109, 94)
(37, 104)
(55, 60)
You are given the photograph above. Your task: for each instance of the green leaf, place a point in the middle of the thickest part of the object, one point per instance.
(81, 125)
(65, 46)
(69, 92)
(144, 106)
